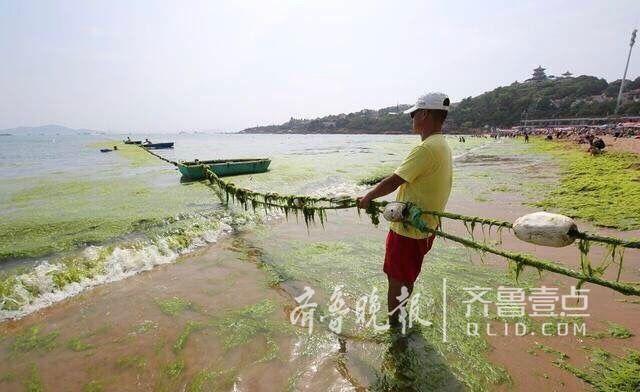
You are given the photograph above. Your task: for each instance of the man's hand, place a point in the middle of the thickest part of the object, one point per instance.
(385, 187)
(363, 201)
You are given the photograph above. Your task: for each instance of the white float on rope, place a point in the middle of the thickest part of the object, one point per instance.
(546, 229)
(394, 211)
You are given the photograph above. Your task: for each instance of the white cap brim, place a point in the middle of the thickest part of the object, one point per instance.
(411, 109)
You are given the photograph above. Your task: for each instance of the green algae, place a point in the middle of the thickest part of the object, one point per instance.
(131, 362)
(203, 381)
(550, 350)
(93, 386)
(132, 154)
(190, 328)
(211, 380)
(411, 364)
(170, 236)
(273, 277)
(145, 327)
(33, 383)
(240, 326)
(76, 344)
(7, 377)
(596, 188)
(49, 215)
(75, 270)
(377, 175)
(608, 372)
(293, 381)
(619, 331)
(255, 324)
(501, 188)
(173, 306)
(174, 369)
(33, 340)
(8, 283)
(326, 264)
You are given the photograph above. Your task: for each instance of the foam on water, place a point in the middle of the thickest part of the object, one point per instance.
(474, 149)
(37, 289)
(339, 189)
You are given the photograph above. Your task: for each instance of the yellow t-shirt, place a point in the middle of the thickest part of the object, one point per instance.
(428, 174)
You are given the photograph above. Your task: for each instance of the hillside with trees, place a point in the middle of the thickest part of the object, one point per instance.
(582, 96)
(544, 97)
(388, 120)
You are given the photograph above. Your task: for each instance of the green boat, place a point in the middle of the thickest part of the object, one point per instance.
(223, 167)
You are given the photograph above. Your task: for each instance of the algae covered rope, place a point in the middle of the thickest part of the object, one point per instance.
(309, 207)
(160, 157)
(414, 218)
(632, 244)
(350, 203)
(473, 220)
(470, 219)
(542, 264)
(580, 235)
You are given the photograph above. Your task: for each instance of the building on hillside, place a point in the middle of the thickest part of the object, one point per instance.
(567, 75)
(538, 75)
(631, 95)
(329, 124)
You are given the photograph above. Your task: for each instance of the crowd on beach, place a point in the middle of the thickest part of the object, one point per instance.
(592, 135)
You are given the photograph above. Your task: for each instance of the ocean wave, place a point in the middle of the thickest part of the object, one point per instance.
(52, 281)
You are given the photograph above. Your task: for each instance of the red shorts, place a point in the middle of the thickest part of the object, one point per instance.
(403, 258)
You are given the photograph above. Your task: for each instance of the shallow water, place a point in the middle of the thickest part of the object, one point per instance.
(73, 217)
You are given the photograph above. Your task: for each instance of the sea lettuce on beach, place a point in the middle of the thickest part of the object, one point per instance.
(43, 215)
(604, 189)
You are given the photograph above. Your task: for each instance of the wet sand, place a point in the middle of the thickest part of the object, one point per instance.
(623, 144)
(620, 144)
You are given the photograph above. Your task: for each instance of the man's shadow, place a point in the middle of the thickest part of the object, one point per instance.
(411, 363)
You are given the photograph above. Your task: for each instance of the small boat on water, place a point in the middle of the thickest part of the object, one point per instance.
(133, 142)
(223, 167)
(158, 146)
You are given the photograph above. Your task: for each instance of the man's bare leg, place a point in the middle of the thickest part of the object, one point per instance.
(395, 290)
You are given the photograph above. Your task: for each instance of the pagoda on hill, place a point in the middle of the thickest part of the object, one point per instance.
(567, 75)
(538, 75)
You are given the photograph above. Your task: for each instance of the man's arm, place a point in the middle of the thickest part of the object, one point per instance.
(383, 188)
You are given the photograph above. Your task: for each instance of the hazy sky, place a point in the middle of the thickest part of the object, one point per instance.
(205, 65)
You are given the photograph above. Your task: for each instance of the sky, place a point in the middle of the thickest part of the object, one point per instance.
(167, 66)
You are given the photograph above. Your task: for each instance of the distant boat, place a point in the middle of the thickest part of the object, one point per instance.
(133, 142)
(105, 150)
(223, 167)
(158, 145)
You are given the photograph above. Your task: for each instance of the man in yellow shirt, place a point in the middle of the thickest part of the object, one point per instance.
(424, 179)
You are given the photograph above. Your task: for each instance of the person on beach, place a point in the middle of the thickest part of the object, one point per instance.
(424, 179)
(596, 145)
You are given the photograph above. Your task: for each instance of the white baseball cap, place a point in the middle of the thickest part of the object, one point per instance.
(432, 101)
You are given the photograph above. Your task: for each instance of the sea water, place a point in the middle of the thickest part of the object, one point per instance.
(73, 217)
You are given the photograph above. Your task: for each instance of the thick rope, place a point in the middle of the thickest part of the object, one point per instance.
(311, 206)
